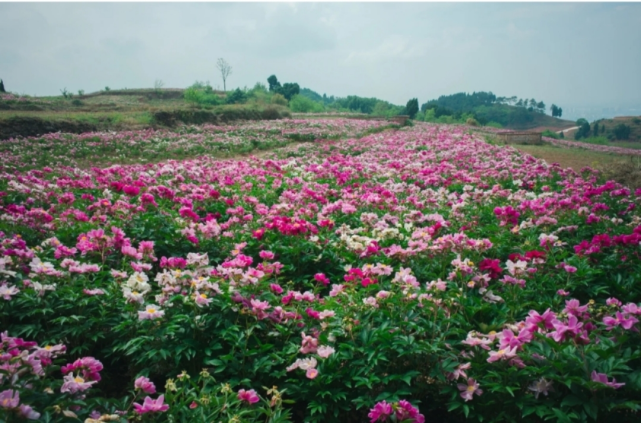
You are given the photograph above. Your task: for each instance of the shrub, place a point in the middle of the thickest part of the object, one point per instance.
(622, 131)
(551, 134)
(279, 100)
(302, 104)
(236, 97)
(471, 122)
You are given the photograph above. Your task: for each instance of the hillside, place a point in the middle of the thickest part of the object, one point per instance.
(609, 125)
(123, 110)
(486, 108)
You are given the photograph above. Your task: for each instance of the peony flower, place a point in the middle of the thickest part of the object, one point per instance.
(151, 312)
(468, 391)
(75, 384)
(381, 411)
(311, 373)
(151, 406)
(541, 386)
(325, 351)
(250, 397)
(9, 399)
(6, 291)
(145, 385)
(603, 378)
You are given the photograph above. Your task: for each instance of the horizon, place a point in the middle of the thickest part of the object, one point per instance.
(545, 51)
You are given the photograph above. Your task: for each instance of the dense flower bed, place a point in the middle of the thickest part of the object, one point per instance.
(95, 148)
(411, 273)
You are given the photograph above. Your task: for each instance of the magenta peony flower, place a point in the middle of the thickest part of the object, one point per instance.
(249, 397)
(381, 411)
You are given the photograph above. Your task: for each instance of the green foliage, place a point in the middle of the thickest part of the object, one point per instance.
(486, 107)
(302, 104)
(274, 85)
(201, 96)
(279, 100)
(107, 88)
(493, 124)
(584, 129)
(621, 131)
(2, 90)
(289, 90)
(551, 134)
(411, 109)
(236, 97)
(66, 94)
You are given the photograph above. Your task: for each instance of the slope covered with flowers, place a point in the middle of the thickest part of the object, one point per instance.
(367, 279)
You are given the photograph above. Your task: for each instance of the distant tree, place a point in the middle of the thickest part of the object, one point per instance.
(274, 85)
(532, 103)
(584, 129)
(519, 103)
(2, 86)
(225, 71)
(622, 131)
(158, 84)
(289, 90)
(561, 134)
(595, 129)
(411, 109)
(560, 112)
(554, 110)
(541, 106)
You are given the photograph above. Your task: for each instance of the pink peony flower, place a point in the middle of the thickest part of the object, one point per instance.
(250, 397)
(75, 384)
(325, 351)
(311, 373)
(151, 406)
(468, 391)
(9, 399)
(145, 385)
(603, 378)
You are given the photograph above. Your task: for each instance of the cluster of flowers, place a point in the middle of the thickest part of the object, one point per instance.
(23, 362)
(402, 411)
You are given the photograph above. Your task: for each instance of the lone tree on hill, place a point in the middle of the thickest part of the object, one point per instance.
(2, 87)
(225, 71)
(556, 111)
(411, 109)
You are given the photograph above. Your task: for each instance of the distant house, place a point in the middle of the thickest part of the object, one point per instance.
(520, 137)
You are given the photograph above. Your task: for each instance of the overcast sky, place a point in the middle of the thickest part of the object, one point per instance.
(564, 53)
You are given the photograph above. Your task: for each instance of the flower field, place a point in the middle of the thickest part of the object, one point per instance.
(408, 275)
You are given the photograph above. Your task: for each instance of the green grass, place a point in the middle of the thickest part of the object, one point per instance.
(575, 158)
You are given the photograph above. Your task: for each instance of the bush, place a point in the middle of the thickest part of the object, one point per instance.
(551, 134)
(622, 131)
(302, 104)
(471, 122)
(236, 97)
(278, 99)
